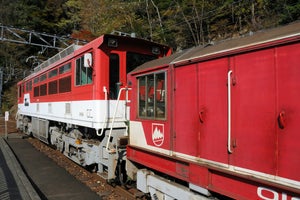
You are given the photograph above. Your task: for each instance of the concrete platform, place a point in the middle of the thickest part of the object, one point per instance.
(14, 183)
(38, 177)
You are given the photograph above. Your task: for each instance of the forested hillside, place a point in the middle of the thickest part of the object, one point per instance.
(178, 23)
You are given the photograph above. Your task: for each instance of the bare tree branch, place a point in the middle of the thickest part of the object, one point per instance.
(160, 21)
(149, 20)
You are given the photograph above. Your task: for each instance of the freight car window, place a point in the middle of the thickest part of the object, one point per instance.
(152, 90)
(83, 74)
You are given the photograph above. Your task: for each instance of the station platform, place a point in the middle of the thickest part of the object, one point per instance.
(14, 183)
(28, 174)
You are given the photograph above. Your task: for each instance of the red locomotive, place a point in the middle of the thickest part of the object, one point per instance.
(76, 100)
(219, 119)
(215, 121)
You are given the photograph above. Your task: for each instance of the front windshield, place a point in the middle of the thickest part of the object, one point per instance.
(134, 60)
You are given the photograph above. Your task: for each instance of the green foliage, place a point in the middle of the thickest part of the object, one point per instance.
(291, 10)
(179, 23)
(71, 20)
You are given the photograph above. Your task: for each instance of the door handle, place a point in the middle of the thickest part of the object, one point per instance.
(201, 116)
(229, 111)
(281, 120)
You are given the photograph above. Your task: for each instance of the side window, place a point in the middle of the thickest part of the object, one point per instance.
(64, 84)
(20, 91)
(152, 96)
(43, 77)
(23, 88)
(160, 96)
(43, 90)
(83, 74)
(135, 59)
(52, 87)
(142, 96)
(52, 73)
(65, 68)
(36, 80)
(29, 86)
(36, 91)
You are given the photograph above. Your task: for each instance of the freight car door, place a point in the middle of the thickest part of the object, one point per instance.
(253, 141)
(185, 110)
(212, 110)
(288, 111)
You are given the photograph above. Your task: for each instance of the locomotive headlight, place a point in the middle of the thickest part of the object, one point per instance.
(112, 42)
(155, 50)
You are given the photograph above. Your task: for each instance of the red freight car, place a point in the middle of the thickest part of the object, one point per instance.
(220, 119)
(76, 100)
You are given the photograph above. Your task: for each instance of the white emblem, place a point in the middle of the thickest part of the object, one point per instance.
(158, 134)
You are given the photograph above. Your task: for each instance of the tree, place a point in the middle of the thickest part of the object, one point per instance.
(103, 16)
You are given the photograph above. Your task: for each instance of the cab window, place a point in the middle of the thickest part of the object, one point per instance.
(152, 96)
(83, 74)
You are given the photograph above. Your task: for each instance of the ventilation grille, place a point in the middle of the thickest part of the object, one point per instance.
(68, 108)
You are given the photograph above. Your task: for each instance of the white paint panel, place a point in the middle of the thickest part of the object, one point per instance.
(93, 113)
(137, 138)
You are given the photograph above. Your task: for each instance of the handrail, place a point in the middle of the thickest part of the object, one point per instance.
(115, 112)
(106, 112)
(229, 110)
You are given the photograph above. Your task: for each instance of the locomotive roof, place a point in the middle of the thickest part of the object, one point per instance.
(72, 50)
(259, 39)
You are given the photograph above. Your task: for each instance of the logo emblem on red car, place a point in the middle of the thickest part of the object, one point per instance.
(158, 134)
